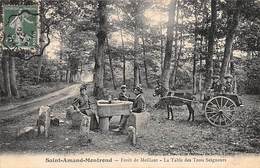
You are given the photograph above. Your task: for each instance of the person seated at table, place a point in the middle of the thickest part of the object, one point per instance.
(138, 107)
(228, 87)
(82, 103)
(122, 95)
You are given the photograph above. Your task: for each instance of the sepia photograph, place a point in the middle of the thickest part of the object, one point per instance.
(129, 83)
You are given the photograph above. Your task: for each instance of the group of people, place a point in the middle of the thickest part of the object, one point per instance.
(226, 87)
(82, 103)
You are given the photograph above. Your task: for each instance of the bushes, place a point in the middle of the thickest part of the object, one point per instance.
(252, 84)
(30, 91)
(27, 71)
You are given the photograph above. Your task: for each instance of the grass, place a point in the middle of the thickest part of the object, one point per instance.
(162, 137)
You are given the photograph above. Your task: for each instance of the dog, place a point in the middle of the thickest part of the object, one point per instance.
(43, 120)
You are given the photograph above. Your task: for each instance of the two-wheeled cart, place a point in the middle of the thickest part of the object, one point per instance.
(219, 109)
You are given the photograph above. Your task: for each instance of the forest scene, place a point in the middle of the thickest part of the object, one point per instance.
(181, 46)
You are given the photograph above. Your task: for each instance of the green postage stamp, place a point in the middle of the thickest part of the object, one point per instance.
(21, 26)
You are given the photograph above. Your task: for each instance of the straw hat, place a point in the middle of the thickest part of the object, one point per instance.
(123, 86)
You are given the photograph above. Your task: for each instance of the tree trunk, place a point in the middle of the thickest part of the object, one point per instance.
(40, 59)
(68, 76)
(136, 64)
(111, 66)
(12, 74)
(39, 68)
(176, 55)
(194, 73)
(1, 74)
(168, 50)
(209, 58)
(232, 68)
(98, 91)
(232, 26)
(123, 55)
(200, 65)
(145, 64)
(161, 34)
(6, 76)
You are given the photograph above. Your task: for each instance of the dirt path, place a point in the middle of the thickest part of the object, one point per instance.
(162, 136)
(8, 113)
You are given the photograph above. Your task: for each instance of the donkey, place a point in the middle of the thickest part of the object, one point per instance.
(169, 100)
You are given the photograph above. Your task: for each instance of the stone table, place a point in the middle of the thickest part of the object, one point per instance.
(115, 108)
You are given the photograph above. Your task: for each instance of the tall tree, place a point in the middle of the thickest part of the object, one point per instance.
(211, 38)
(145, 62)
(233, 21)
(111, 65)
(123, 47)
(165, 76)
(98, 91)
(40, 59)
(6, 74)
(161, 47)
(136, 63)
(176, 47)
(194, 73)
(12, 73)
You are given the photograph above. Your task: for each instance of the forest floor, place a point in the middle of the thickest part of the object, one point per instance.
(11, 111)
(163, 137)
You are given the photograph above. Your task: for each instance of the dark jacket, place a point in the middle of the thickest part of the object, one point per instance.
(122, 96)
(82, 102)
(139, 104)
(228, 87)
(217, 87)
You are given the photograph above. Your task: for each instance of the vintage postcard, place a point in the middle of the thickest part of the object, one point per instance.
(130, 83)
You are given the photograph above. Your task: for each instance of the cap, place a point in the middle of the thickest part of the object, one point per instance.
(83, 87)
(123, 86)
(139, 88)
(228, 76)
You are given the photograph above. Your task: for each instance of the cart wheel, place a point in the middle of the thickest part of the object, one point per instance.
(220, 111)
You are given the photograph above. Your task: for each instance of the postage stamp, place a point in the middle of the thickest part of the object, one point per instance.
(21, 26)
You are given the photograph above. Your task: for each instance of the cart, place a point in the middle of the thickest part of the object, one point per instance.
(220, 110)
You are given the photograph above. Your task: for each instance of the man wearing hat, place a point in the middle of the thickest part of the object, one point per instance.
(139, 102)
(122, 95)
(228, 87)
(138, 107)
(216, 85)
(82, 102)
